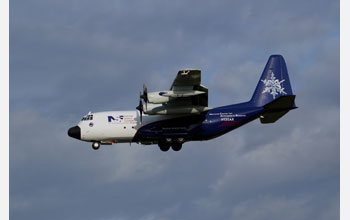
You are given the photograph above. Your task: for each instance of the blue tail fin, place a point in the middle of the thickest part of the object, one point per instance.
(274, 82)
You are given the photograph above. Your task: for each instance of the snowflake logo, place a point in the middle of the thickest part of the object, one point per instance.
(273, 86)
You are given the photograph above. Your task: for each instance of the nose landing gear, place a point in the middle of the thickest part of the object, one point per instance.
(95, 145)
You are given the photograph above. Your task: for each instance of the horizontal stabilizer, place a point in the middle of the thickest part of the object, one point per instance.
(277, 108)
(271, 117)
(282, 103)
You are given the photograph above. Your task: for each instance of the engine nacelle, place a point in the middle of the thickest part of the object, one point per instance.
(159, 109)
(157, 98)
(166, 96)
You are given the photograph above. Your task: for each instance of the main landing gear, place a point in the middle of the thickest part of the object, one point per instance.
(95, 145)
(176, 146)
(166, 146)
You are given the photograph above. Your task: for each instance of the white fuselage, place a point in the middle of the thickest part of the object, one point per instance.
(115, 126)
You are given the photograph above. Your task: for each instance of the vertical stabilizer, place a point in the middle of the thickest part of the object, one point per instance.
(274, 82)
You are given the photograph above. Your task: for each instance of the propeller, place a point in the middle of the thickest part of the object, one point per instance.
(144, 96)
(140, 108)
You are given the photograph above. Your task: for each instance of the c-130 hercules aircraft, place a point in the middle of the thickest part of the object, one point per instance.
(171, 118)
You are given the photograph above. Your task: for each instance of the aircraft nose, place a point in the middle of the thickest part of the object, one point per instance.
(74, 132)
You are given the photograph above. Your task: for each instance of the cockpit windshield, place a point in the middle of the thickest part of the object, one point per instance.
(87, 118)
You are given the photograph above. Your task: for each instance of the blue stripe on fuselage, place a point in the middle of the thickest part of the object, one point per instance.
(211, 124)
(224, 119)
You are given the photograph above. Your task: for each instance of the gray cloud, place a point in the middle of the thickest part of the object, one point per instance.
(70, 57)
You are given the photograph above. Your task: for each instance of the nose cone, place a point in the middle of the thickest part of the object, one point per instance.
(74, 132)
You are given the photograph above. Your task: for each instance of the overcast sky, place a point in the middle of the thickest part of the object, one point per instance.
(71, 57)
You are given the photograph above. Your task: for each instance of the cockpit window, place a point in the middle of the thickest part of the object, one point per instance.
(87, 118)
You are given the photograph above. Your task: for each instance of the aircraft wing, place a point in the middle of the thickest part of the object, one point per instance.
(186, 96)
(186, 80)
(188, 89)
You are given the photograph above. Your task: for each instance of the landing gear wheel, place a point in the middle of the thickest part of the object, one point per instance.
(176, 146)
(95, 145)
(164, 147)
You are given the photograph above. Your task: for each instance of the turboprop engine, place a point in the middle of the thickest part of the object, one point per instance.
(180, 99)
(166, 96)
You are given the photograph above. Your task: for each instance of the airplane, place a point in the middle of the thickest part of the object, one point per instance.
(181, 114)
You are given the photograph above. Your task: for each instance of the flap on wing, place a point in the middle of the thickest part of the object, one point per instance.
(186, 79)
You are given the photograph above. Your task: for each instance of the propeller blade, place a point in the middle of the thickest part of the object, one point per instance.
(144, 88)
(140, 108)
(141, 117)
(145, 94)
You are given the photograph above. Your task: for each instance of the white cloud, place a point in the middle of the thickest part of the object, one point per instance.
(307, 153)
(267, 207)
